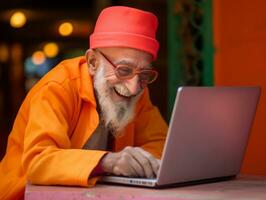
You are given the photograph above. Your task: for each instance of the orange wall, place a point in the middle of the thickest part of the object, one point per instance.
(240, 59)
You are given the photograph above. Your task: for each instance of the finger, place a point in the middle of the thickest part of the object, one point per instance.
(135, 165)
(143, 162)
(122, 170)
(131, 166)
(154, 162)
(133, 162)
(126, 165)
(139, 172)
(159, 163)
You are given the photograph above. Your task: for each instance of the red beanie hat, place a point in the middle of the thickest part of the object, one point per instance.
(120, 26)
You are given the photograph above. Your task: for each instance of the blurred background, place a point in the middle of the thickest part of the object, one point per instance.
(202, 43)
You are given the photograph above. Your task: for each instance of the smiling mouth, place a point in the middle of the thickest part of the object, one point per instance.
(120, 93)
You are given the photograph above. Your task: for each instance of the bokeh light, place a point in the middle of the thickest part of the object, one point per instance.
(4, 54)
(18, 19)
(38, 57)
(51, 49)
(65, 29)
(29, 67)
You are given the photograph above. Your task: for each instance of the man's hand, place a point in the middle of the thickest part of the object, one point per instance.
(132, 162)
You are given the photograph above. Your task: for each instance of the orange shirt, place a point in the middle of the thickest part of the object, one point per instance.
(55, 120)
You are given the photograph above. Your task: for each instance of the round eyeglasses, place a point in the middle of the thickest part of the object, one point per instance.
(125, 72)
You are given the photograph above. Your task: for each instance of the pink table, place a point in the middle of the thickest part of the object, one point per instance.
(247, 188)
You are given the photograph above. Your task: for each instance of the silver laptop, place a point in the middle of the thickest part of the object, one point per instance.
(207, 136)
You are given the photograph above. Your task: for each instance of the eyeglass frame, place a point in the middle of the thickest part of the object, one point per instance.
(135, 70)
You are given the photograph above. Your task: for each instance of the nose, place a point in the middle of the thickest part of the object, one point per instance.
(133, 85)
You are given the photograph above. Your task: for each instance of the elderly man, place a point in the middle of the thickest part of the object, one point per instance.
(91, 115)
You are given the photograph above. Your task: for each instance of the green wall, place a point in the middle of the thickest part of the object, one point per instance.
(197, 17)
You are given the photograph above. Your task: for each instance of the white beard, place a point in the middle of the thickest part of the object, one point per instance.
(115, 115)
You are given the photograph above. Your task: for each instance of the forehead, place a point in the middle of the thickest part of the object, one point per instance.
(128, 54)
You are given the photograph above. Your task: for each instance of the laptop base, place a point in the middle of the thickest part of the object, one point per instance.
(139, 182)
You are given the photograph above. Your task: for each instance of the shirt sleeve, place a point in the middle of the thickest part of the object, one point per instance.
(48, 158)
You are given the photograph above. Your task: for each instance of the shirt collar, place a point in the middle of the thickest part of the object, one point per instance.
(86, 90)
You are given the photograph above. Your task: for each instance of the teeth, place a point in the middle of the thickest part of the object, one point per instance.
(122, 91)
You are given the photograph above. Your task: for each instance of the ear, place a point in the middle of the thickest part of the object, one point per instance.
(91, 61)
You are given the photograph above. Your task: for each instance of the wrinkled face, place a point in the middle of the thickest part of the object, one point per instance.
(117, 97)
